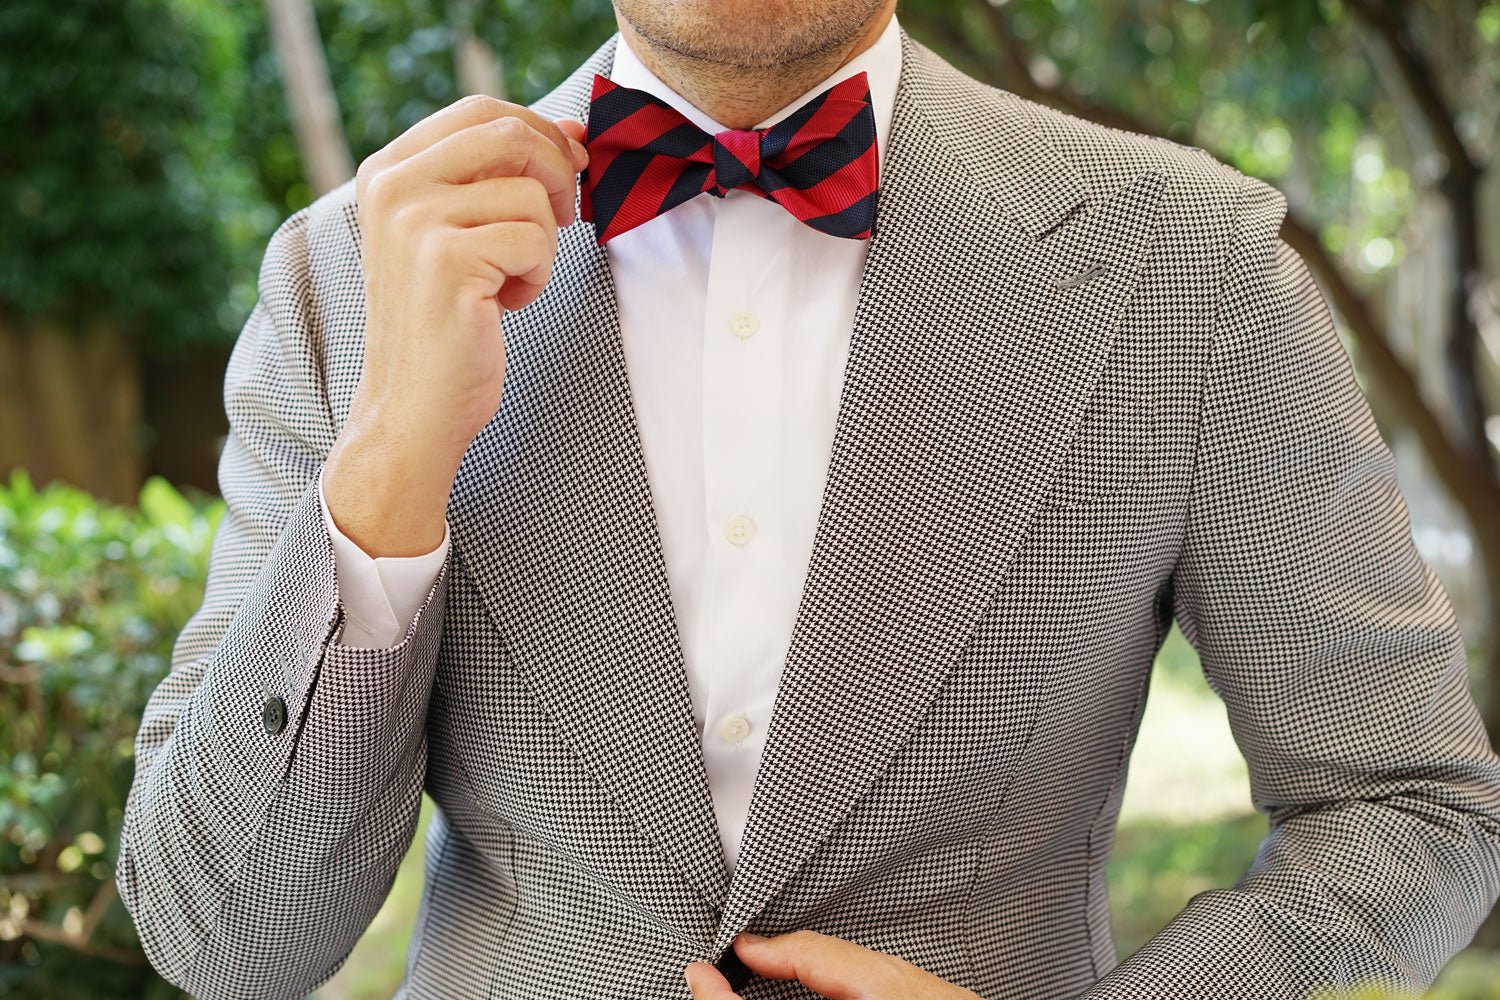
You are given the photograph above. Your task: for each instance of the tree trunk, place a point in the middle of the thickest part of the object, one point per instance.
(326, 162)
(478, 65)
(71, 407)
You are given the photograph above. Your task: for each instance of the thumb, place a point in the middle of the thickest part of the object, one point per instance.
(828, 966)
(576, 131)
(708, 983)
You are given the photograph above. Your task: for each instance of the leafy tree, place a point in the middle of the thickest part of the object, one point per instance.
(156, 156)
(126, 225)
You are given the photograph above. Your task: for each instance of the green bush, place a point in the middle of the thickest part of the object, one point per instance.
(91, 598)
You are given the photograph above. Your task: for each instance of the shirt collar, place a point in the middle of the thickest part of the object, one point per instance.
(881, 61)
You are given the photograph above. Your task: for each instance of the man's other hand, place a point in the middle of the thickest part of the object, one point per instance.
(830, 967)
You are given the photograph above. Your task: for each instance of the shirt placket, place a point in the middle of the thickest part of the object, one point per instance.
(742, 428)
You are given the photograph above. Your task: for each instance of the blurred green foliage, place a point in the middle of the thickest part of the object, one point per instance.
(121, 196)
(1290, 91)
(151, 154)
(392, 65)
(396, 57)
(91, 598)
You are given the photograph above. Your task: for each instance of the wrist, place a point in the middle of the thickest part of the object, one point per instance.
(386, 493)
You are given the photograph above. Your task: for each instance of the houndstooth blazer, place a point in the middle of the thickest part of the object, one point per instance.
(1089, 390)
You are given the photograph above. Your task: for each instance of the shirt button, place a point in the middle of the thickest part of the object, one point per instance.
(734, 729)
(743, 323)
(739, 529)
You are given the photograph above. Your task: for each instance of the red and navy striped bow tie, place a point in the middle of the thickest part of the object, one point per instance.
(645, 158)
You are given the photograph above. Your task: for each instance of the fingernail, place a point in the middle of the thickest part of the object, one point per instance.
(580, 154)
(752, 938)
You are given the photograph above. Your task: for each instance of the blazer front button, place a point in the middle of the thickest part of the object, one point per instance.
(273, 715)
(732, 968)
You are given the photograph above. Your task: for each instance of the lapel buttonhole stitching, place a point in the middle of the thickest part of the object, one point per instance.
(1092, 272)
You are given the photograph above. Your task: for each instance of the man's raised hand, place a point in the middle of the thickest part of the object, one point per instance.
(459, 218)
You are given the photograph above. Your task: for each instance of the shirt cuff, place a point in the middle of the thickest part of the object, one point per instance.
(380, 596)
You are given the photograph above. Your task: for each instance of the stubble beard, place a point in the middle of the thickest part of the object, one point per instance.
(759, 47)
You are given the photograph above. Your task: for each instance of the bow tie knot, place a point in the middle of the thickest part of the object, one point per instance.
(736, 159)
(646, 158)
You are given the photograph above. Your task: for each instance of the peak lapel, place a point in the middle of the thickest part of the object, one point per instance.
(968, 371)
(553, 520)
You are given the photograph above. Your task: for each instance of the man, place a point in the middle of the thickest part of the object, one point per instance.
(763, 573)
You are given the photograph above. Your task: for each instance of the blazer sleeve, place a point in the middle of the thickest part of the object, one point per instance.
(1339, 660)
(278, 772)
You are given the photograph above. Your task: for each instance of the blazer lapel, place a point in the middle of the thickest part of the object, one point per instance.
(553, 520)
(959, 399)
(968, 372)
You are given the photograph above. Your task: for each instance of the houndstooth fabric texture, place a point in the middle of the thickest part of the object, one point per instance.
(1032, 473)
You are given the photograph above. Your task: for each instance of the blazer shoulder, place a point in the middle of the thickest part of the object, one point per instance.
(1110, 156)
(1104, 157)
(316, 247)
(333, 236)
(311, 288)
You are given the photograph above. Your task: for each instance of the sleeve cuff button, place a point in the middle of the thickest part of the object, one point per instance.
(273, 715)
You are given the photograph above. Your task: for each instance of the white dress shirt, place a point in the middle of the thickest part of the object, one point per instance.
(736, 320)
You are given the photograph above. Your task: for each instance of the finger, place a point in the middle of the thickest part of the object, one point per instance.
(500, 256)
(482, 202)
(708, 983)
(505, 147)
(829, 966)
(478, 233)
(576, 131)
(461, 114)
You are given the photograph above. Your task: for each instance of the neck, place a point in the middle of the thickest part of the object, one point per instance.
(741, 96)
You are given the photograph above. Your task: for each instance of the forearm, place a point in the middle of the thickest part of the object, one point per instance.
(386, 486)
(1357, 894)
(1340, 664)
(232, 829)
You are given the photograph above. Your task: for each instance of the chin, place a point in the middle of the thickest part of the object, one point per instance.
(748, 32)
